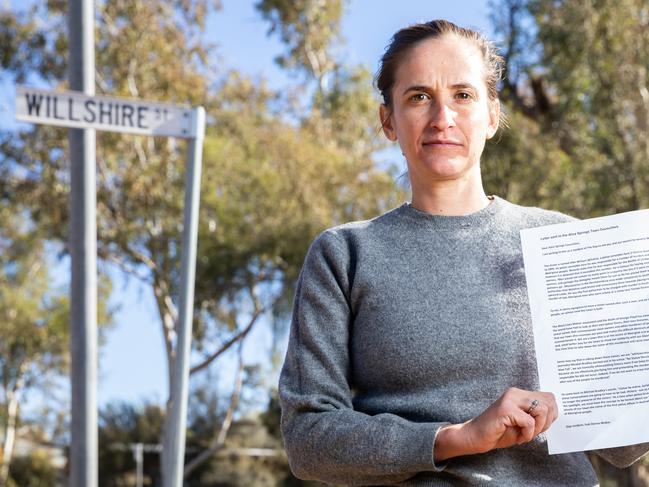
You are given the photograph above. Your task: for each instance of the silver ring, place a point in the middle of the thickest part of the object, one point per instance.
(535, 403)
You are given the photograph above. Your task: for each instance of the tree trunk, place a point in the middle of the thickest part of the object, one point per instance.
(10, 433)
(168, 320)
(166, 438)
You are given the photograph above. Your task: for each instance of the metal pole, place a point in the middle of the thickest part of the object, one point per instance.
(138, 454)
(180, 378)
(83, 253)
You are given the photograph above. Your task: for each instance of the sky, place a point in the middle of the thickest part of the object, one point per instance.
(131, 364)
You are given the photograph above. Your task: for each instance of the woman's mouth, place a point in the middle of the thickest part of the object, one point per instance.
(442, 143)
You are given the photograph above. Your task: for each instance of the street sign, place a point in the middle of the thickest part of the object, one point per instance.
(77, 110)
(83, 113)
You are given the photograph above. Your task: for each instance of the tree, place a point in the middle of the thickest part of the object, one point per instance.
(578, 96)
(33, 322)
(34, 470)
(597, 57)
(307, 27)
(34, 338)
(270, 184)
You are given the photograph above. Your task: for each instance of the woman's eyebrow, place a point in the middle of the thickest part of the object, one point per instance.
(417, 88)
(464, 85)
(456, 86)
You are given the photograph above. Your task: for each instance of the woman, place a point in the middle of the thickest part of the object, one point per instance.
(411, 356)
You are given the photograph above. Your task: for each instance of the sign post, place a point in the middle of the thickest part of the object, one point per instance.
(84, 111)
(180, 373)
(83, 256)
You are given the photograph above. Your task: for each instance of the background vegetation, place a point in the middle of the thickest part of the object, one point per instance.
(279, 166)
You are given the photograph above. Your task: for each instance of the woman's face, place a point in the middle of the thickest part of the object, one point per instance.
(441, 115)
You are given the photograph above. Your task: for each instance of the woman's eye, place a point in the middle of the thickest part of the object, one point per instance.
(463, 95)
(419, 97)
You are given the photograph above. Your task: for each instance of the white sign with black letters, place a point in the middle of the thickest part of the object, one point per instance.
(76, 110)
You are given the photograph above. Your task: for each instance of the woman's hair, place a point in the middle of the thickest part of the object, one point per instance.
(408, 37)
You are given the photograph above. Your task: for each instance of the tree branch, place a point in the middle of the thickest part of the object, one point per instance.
(511, 83)
(239, 336)
(168, 317)
(132, 271)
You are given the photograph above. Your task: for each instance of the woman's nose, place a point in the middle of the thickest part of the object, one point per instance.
(442, 116)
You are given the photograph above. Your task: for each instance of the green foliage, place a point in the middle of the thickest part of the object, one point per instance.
(308, 28)
(34, 317)
(34, 327)
(33, 470)
(121, 426)
(27, 47)
(579, 102)
(525, 165)
(30, 323)
(597, 57)
(234, 467)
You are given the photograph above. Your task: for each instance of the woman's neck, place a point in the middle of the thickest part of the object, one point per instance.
(456, 197)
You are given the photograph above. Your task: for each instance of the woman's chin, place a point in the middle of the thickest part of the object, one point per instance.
(446, 170)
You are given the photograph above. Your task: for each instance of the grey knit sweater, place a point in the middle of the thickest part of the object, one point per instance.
(403, 324)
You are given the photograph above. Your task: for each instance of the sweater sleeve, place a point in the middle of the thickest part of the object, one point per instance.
(623, 456)
(325, 438)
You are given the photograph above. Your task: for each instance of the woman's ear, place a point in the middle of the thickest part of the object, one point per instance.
(494, 118)
(385, 116)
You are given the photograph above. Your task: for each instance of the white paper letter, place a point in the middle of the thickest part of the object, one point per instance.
(588, 284)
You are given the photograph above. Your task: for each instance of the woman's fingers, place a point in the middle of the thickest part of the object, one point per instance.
(534, 412)
(525, 424)
(543, 408)
(517, 417)
(539, 411)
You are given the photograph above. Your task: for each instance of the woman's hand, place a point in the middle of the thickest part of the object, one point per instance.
(515, 418)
